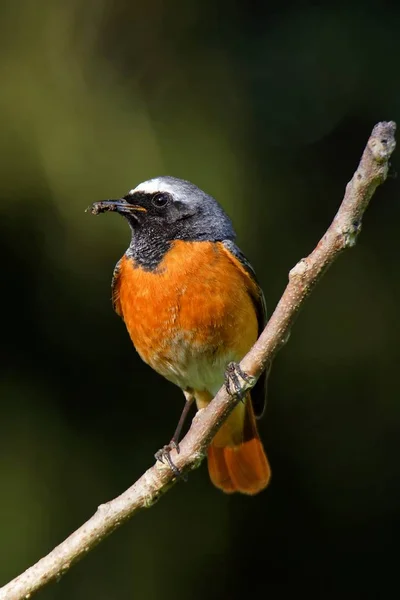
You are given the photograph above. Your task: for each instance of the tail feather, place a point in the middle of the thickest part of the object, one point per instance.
(240, 466)
(218, 469)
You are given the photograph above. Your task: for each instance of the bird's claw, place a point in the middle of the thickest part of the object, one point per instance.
(164, 456)
(237, 382)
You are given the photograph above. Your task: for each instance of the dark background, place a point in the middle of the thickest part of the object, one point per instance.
(268, 107)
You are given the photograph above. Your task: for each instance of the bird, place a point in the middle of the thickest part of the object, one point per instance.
(193, 306)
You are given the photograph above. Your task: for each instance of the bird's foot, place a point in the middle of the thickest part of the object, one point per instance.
(237, 382)
(164, 456)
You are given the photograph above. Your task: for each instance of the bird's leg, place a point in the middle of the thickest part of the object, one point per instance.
(174, 443)
(164, 454)
(237, 382)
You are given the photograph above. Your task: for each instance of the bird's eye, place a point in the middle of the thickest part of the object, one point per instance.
(160, 200)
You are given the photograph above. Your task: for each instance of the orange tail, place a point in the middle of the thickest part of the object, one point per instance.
(236, 457)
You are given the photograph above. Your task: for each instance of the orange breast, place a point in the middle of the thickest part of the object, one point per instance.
(192, 315)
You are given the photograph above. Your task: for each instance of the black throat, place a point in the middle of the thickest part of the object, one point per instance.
(152, 240)
(148, 248)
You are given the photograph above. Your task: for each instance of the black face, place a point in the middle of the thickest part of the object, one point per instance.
(158, 218)
(143, 209)
(159, 209)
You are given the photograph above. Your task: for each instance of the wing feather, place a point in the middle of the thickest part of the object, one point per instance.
(259, 392)
(115, 289)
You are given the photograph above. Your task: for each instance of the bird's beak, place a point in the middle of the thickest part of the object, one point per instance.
(121, 206)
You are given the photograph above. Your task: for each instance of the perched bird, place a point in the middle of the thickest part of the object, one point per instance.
(192, 305)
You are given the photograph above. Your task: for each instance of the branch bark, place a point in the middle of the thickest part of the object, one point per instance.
(342, 233)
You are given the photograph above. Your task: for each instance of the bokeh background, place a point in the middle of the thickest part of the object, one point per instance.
(267, 106)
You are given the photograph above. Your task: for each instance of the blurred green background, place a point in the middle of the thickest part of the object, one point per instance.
(268, 108)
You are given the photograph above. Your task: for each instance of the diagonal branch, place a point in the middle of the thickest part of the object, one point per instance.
(342, 234)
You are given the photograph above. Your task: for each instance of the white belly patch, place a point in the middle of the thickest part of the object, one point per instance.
(189, 365)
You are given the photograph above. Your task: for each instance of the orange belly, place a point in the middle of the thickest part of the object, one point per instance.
(189, 317)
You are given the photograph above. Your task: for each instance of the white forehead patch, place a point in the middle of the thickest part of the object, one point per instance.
(154, 185)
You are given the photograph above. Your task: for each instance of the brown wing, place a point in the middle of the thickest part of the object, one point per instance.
(115, 289)
(259, 392)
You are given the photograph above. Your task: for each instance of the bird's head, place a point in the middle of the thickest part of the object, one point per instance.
(171, 208)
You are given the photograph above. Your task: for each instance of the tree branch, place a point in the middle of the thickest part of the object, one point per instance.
(342, 234)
